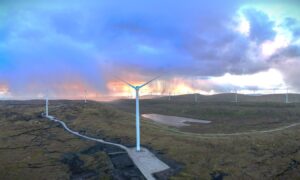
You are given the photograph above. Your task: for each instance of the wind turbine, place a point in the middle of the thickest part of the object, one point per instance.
(46, 108)
(287, 96)
(137, 110)
(85, 92)
(236, 96)
(195, 92)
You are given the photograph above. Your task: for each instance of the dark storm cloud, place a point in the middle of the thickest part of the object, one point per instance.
(287, 60)
(221, 49)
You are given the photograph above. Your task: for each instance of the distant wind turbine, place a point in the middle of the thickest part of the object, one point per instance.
(195, 92)
(85, 94)
(287, 96)
(236, 96)
(137, 105)
(46, 108)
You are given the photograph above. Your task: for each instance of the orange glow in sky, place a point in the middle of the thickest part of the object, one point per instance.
(158, 87)
(77, 90)
(3, 89)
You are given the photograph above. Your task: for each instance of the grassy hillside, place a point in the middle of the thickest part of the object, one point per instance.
(32, 147)
(226, 117)
(262, 156)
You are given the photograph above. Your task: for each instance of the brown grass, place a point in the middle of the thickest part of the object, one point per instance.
(261, 156)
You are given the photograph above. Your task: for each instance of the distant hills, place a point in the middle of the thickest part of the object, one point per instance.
(231, 97)
(224, 97)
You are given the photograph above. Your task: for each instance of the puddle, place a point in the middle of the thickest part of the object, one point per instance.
(174, 120)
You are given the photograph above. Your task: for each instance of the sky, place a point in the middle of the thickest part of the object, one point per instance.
(64, 48)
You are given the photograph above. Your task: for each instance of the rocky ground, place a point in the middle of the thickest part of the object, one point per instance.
(33, 148)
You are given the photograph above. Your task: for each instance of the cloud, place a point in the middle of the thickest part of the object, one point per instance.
(293, 25)
(291, 73)
(261, 27)
(287, 60)
(50, 44)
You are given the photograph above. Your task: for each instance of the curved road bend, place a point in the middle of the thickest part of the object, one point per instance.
(223, 135)
(145, 161)
(255, 132)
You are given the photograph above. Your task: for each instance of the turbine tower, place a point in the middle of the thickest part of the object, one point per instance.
(137, 106)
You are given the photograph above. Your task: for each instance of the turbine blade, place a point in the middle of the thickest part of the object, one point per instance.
(126, 82)
(149, 81)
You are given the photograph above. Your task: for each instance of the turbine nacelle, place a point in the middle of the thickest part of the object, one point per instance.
(137, 87)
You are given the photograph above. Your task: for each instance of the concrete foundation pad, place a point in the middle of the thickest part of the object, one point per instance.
(147, 162)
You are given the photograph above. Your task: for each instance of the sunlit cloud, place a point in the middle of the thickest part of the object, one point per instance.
(268, 48)
(4, 90)
(158, 87)
(265, 80)
(243, 26)
(72, 89)
(75, 90)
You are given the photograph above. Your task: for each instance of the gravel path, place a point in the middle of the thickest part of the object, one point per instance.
(254, 132)
(224, 135)
(146, 161)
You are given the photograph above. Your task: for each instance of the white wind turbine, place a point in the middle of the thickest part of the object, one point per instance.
(46, 108)
(137, 106)
(236, 95)
(195, 92)
(85, 95)
(287, 96)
